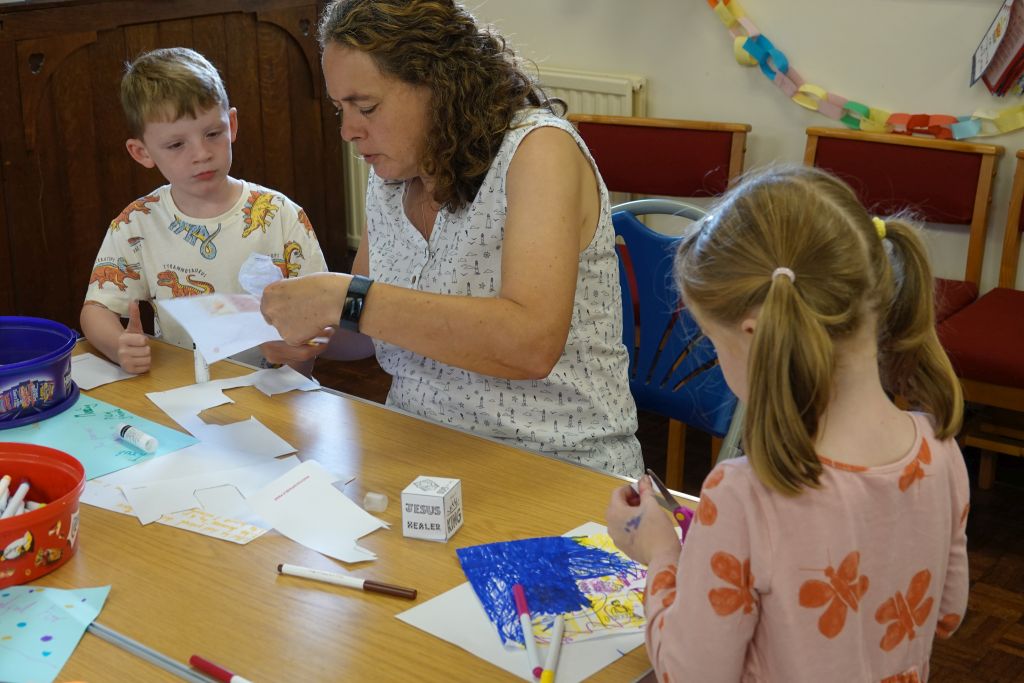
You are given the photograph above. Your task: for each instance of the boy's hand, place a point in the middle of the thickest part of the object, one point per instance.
(133, 352)
(640, 528)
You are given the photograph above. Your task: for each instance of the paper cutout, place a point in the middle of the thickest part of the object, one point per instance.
(87, 431)
(90, 371)
(303, 506)
(458, 617)
(585, 578)
(109, 497)
(221, 324)
(40, 628)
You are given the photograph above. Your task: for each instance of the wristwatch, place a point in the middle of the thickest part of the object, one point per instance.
(355, 298)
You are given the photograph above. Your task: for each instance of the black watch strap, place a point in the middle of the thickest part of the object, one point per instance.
(354, 301)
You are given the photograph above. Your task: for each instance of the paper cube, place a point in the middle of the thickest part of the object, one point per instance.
(432, 508)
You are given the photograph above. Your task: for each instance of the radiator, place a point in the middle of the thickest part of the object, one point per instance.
(584, 93)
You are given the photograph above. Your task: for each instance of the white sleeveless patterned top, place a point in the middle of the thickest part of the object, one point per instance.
(583, 411)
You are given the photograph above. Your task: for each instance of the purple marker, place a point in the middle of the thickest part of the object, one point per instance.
(527, 623)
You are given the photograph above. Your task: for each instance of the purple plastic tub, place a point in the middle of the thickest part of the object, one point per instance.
(35, 369)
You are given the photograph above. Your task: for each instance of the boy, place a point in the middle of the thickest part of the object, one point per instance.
(192, 235)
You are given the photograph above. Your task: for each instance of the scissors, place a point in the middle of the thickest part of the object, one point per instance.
(682, 514)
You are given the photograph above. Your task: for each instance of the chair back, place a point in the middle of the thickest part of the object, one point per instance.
(942, 181)
(673, 368)
(664, 156)
(1014, 225)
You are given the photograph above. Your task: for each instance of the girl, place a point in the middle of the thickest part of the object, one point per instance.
(836, 548)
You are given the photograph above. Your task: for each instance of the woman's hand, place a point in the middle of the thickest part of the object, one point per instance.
(638, 525)
(283, 353)
(302, 307)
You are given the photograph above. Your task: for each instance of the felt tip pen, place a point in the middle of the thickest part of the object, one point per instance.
(5, 492)
(215, 670)
(15, 500)
(554, 650)
(526, 621)
(137, 437)
(347, 581)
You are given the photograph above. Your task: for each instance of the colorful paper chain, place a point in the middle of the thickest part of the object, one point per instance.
(752, 48)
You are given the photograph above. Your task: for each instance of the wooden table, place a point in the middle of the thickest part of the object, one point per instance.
(182, 593)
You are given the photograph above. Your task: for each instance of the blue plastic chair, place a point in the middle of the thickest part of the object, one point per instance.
(673, 368)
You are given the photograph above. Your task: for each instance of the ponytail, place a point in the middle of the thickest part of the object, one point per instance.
(913, 362)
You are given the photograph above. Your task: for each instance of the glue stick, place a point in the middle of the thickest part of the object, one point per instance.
(137, 437)
(202, 369)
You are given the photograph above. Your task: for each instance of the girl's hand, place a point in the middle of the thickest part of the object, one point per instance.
(640, 528)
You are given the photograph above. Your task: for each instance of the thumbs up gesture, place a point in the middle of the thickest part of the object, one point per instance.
(132, 346)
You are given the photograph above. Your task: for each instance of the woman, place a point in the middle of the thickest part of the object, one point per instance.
(495, 301)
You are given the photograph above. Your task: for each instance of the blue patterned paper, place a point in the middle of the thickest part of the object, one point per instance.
(88, 431)
(40, 628)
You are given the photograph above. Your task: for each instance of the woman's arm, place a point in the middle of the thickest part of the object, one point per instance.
(553, 208)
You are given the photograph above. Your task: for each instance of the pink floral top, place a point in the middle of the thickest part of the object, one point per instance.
(848, 582)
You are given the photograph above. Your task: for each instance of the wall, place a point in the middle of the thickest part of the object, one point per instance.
(910, 56)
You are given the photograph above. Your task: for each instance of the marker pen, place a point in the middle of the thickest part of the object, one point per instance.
(15, 501)
(137, 437)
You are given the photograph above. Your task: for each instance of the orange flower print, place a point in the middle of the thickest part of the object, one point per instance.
(664, 580)
(725, 601)
(843, 591)
(909, 676)
(846, 467)
(946, 625)
(915, 470)
(905, 613)
(707, 512)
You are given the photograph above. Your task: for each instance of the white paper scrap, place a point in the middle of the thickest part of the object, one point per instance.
(303, 506)
(90, 371)
(221, 324)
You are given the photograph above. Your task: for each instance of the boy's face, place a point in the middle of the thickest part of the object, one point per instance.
(193, 154)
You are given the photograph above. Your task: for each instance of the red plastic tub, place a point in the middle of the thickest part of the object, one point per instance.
(35, 543)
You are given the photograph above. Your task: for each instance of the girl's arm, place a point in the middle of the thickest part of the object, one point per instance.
(953, 603)
(553, 209)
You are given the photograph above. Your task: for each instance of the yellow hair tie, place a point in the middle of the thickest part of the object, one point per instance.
(879, 227)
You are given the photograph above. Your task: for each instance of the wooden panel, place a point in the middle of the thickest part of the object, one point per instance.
(175, 33)
(11, 175)
(277, 119)
(242, 79)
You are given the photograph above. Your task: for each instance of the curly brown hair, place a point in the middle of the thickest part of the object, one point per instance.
(476, 81)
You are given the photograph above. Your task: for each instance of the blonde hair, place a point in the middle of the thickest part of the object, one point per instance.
(846, 275)
(170, 82)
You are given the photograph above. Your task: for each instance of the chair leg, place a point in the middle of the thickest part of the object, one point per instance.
(987, 471)
(716, 449)
(674, 459)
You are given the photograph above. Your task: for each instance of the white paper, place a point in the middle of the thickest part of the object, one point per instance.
(303, 506)
(221, 324)
(458, 617)
(90, 371)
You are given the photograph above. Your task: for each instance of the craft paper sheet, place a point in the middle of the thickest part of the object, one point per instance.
(87, 430)
(458, 617)
(90, 371)
(40, 628)
(597, 588)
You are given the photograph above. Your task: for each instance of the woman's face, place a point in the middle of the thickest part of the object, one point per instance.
(385, 118)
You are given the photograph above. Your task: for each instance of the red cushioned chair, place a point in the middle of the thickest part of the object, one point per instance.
(985, 341)
(675, 158)
(942, 181)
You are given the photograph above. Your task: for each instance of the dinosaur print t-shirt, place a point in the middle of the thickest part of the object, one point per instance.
(153, 251)
(847, 582)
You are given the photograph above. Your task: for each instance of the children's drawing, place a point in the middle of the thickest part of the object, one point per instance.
(585, 578)
(40, 628)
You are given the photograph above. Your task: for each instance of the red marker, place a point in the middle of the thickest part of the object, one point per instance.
(218, 672)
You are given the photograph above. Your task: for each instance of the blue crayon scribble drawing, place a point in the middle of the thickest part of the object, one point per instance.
(585, 578)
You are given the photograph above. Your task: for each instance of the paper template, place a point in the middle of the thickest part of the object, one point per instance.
(303, 506)
(87, 431)
(597, 588)
(224, 490)
(90, 371)
(458, 617)
(40, 628)
(109, 497)
(221, 324)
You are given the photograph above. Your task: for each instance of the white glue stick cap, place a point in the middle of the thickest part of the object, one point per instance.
(375, 502)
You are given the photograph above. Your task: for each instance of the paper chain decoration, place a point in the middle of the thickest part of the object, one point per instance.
(752, 48)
